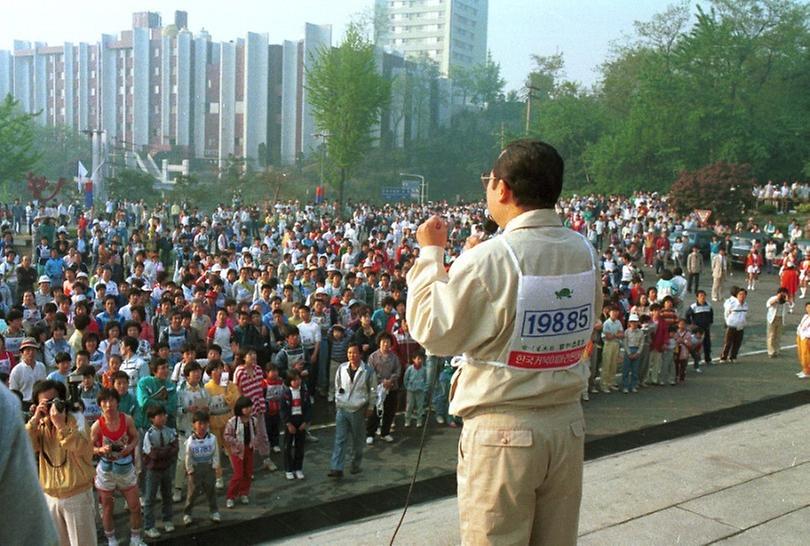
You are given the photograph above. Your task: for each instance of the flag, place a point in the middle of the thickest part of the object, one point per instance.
(82, 176)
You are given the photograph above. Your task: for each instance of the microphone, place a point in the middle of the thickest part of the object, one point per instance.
(490, 226)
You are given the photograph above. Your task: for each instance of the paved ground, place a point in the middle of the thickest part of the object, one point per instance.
(746, 484)
(319, 501)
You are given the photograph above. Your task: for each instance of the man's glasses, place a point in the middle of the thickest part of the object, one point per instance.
(486, 178)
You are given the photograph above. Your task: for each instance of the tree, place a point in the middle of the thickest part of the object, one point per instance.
(18, 155)
(725, 188)
(486, 82)
(347, 95)
(133, 185)
(60, 148)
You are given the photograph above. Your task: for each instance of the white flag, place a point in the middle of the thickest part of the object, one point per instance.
(81, 176)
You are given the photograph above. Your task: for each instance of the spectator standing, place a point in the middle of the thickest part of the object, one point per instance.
(719, 273)
(355, 399)
(775, 317)
(736, 315)
(694, 267)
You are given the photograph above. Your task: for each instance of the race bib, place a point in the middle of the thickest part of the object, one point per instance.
(554, 320)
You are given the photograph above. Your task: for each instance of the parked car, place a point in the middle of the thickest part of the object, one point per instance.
(741, 244)
(702, 238)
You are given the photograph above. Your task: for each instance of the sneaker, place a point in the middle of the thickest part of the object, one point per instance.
(369, 440)
(229, 503)
(168, 527)
(270, 465)
(388, 438)
(112, 541)
(152, 533)
(625, 391)
(698, 370)
(419, 424)
(634, 390)
(585, 396)
(605, 391)
(220, 483)
(289, 475)
(672, 383)
(594, 390)
(216, 518)
(142, 501)
(299, 474)
(187, 520)
(177, 496)
(407, 423)
(802, 375)
(311, 437)
(335, 474)
(244, 499)
(135, 540)
(440, 419)
(276, 449)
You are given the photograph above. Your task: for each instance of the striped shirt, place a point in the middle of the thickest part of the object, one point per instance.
(251, 386)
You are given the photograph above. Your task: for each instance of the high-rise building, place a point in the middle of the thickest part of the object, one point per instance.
(449, 32)
(156, 88)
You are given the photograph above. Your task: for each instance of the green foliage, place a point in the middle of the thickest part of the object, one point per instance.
(347, 94)
(804, 208)
(727, 85)
(133, 185)
(60, 149)
(18, 155)
(767, 209)
(725, 188)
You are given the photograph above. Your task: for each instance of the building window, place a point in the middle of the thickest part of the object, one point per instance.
(157, 71)
(92, 91)
(157, 90)
(93, 74)
(213, 108)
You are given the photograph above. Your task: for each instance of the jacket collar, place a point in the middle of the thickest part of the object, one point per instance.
(534, 218)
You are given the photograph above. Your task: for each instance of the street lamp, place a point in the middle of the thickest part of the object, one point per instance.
(422, 186)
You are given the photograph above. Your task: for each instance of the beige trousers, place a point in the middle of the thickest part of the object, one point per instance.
(774, 339)
(520, 476)
(610, 361)
(74, 518)
(717, 288)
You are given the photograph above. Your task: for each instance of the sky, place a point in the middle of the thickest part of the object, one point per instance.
(582, 30)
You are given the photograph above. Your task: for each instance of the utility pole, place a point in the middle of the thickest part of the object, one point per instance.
(324, 137)
(529, 97)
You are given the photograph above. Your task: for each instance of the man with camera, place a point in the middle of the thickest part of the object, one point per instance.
(65, 462)
(523, 366)
(27, 372)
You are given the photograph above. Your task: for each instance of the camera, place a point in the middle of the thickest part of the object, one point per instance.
(116, 448)
(59, 404)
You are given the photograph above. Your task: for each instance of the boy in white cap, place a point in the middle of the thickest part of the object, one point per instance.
(633, 343)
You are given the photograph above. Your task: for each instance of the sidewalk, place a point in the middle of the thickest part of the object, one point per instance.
(747, 483)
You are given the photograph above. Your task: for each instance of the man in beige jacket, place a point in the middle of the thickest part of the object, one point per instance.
(521, 309)
(719, 273)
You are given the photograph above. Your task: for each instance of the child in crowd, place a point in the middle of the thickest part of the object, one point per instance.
(191, 398)
(201, 463)
(220, 404)
(644, 360)
(160, 449)
(88, 392)
(296, 414)
(292, 354)
(340, 343)
(415, 388)
(113, 367)
(683, 338)
(62, 371)
(240, 437)
(7, 360)
(633, 343)
(274, 390)
(612, 334)
(668, 355)
(441, 395)
(696, 350)
(127, 403)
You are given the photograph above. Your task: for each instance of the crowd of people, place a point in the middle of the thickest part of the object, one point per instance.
(150, 346)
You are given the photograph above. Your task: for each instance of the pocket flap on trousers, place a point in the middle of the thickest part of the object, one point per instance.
(504, 438)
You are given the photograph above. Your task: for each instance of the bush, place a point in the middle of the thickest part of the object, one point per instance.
(766, 209)
(725, 188)
(804, 208)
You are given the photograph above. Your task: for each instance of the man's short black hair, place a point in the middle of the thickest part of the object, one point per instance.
(533, 170)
